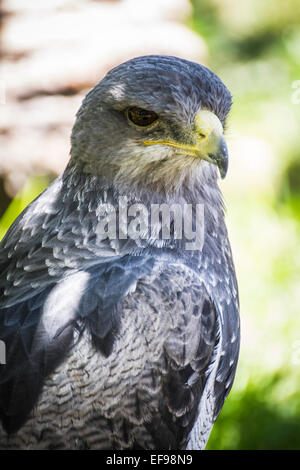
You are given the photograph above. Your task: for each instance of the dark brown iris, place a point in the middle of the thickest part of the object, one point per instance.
(141, 117)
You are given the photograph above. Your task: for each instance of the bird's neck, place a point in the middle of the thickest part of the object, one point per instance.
(136, 217)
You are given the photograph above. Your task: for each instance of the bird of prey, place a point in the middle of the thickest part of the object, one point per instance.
(118, 336)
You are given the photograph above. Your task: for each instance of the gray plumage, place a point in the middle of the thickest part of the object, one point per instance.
(121, 343)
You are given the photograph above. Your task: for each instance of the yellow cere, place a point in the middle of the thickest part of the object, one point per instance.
(206, 122)
(208, 132)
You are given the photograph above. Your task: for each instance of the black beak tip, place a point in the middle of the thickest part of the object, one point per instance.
(223, 170)
(221, 158)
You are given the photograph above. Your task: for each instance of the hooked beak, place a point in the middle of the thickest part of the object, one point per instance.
(220, 157)
(209, 145)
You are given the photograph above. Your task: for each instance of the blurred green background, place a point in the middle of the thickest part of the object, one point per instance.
(254, 47)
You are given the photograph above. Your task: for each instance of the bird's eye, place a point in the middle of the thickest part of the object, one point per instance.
(141, 117)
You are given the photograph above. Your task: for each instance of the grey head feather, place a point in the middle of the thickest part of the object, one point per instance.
(173, 88)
